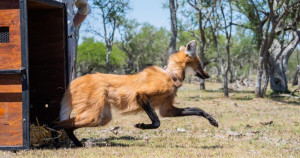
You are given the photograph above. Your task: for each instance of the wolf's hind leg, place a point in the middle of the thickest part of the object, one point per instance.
(145, 103)
(171, 111)
(68, 126)
(70, 133)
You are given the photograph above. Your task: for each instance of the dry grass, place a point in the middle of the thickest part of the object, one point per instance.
(241, 132)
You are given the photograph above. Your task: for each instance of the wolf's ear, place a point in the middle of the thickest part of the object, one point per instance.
(191, 48)
(182, 48)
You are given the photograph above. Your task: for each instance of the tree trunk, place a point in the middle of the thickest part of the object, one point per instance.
(108, 51)
(218, 74)
(202, 48)
(259, 76)
(231, 78)
(76, 35)
(295, 77)
(259, 92)
(129, 66)
(221, 61)
(298, 82)
(278, 79)
(228, 64)
(173, 10)
(202, 81)
(279, 61)
(267, 78)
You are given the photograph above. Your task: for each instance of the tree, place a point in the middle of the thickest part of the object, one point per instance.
(214, 27)
(243, 54)
(77, 36)
(143, 44)
(281, 52)
(91, 57)
(173, 6)
(269, 19)
(203, 12)
(228, 32)
(112, 13)
(215, 22)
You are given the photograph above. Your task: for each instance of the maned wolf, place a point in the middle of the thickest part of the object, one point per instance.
(91, 97)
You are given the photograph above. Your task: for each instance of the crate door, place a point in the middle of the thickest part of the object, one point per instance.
(11, 110)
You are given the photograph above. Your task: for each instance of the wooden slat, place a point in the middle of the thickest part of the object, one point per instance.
(10, 53)
(9, 4)
(10, 83)
(11, 133)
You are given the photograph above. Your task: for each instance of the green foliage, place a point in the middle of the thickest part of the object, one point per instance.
(144, 44)
(91, 57)
(244, 54)
(183, 38)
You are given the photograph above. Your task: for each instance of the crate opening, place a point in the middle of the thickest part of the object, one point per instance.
(47, 60)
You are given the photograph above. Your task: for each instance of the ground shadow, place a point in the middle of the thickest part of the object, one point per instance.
(285, 100)
(230, 91)
(242, 98)
(113, 142)
(110, 141)
(212, 147)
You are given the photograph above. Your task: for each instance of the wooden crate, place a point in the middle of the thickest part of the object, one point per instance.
(33, 73)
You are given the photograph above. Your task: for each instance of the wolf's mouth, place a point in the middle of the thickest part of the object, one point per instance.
(202, 75)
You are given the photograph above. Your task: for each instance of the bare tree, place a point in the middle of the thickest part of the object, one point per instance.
(228, 31)
(173, 5)
(215, 29)
(111, 13)
(204, 14)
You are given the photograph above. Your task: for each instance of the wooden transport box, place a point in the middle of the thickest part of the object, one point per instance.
(33, 73)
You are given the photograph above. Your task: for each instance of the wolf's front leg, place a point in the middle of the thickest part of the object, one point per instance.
(172, 111)
(197, 111)
(145, 103)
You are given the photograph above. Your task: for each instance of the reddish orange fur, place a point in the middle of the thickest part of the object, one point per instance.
(92, 96)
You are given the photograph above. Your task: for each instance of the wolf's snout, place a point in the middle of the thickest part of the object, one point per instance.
(202, 74)
(207, 76)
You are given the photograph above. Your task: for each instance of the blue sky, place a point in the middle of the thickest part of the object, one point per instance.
(150, 11)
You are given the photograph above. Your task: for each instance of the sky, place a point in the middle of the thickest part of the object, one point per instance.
(150, 11)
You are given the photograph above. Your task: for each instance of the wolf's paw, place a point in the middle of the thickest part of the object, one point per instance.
(140, 125)
(213, 122)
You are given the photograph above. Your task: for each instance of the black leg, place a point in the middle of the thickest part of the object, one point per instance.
(196, 111)
(146, 105)
(55, 138)
(73, 137)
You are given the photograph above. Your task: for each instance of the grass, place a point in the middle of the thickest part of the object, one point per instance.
(240, 133)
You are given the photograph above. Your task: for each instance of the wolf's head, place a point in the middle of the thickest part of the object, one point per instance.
(192, 60)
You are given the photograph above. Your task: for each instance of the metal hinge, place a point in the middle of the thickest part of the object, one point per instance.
(14, 71)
